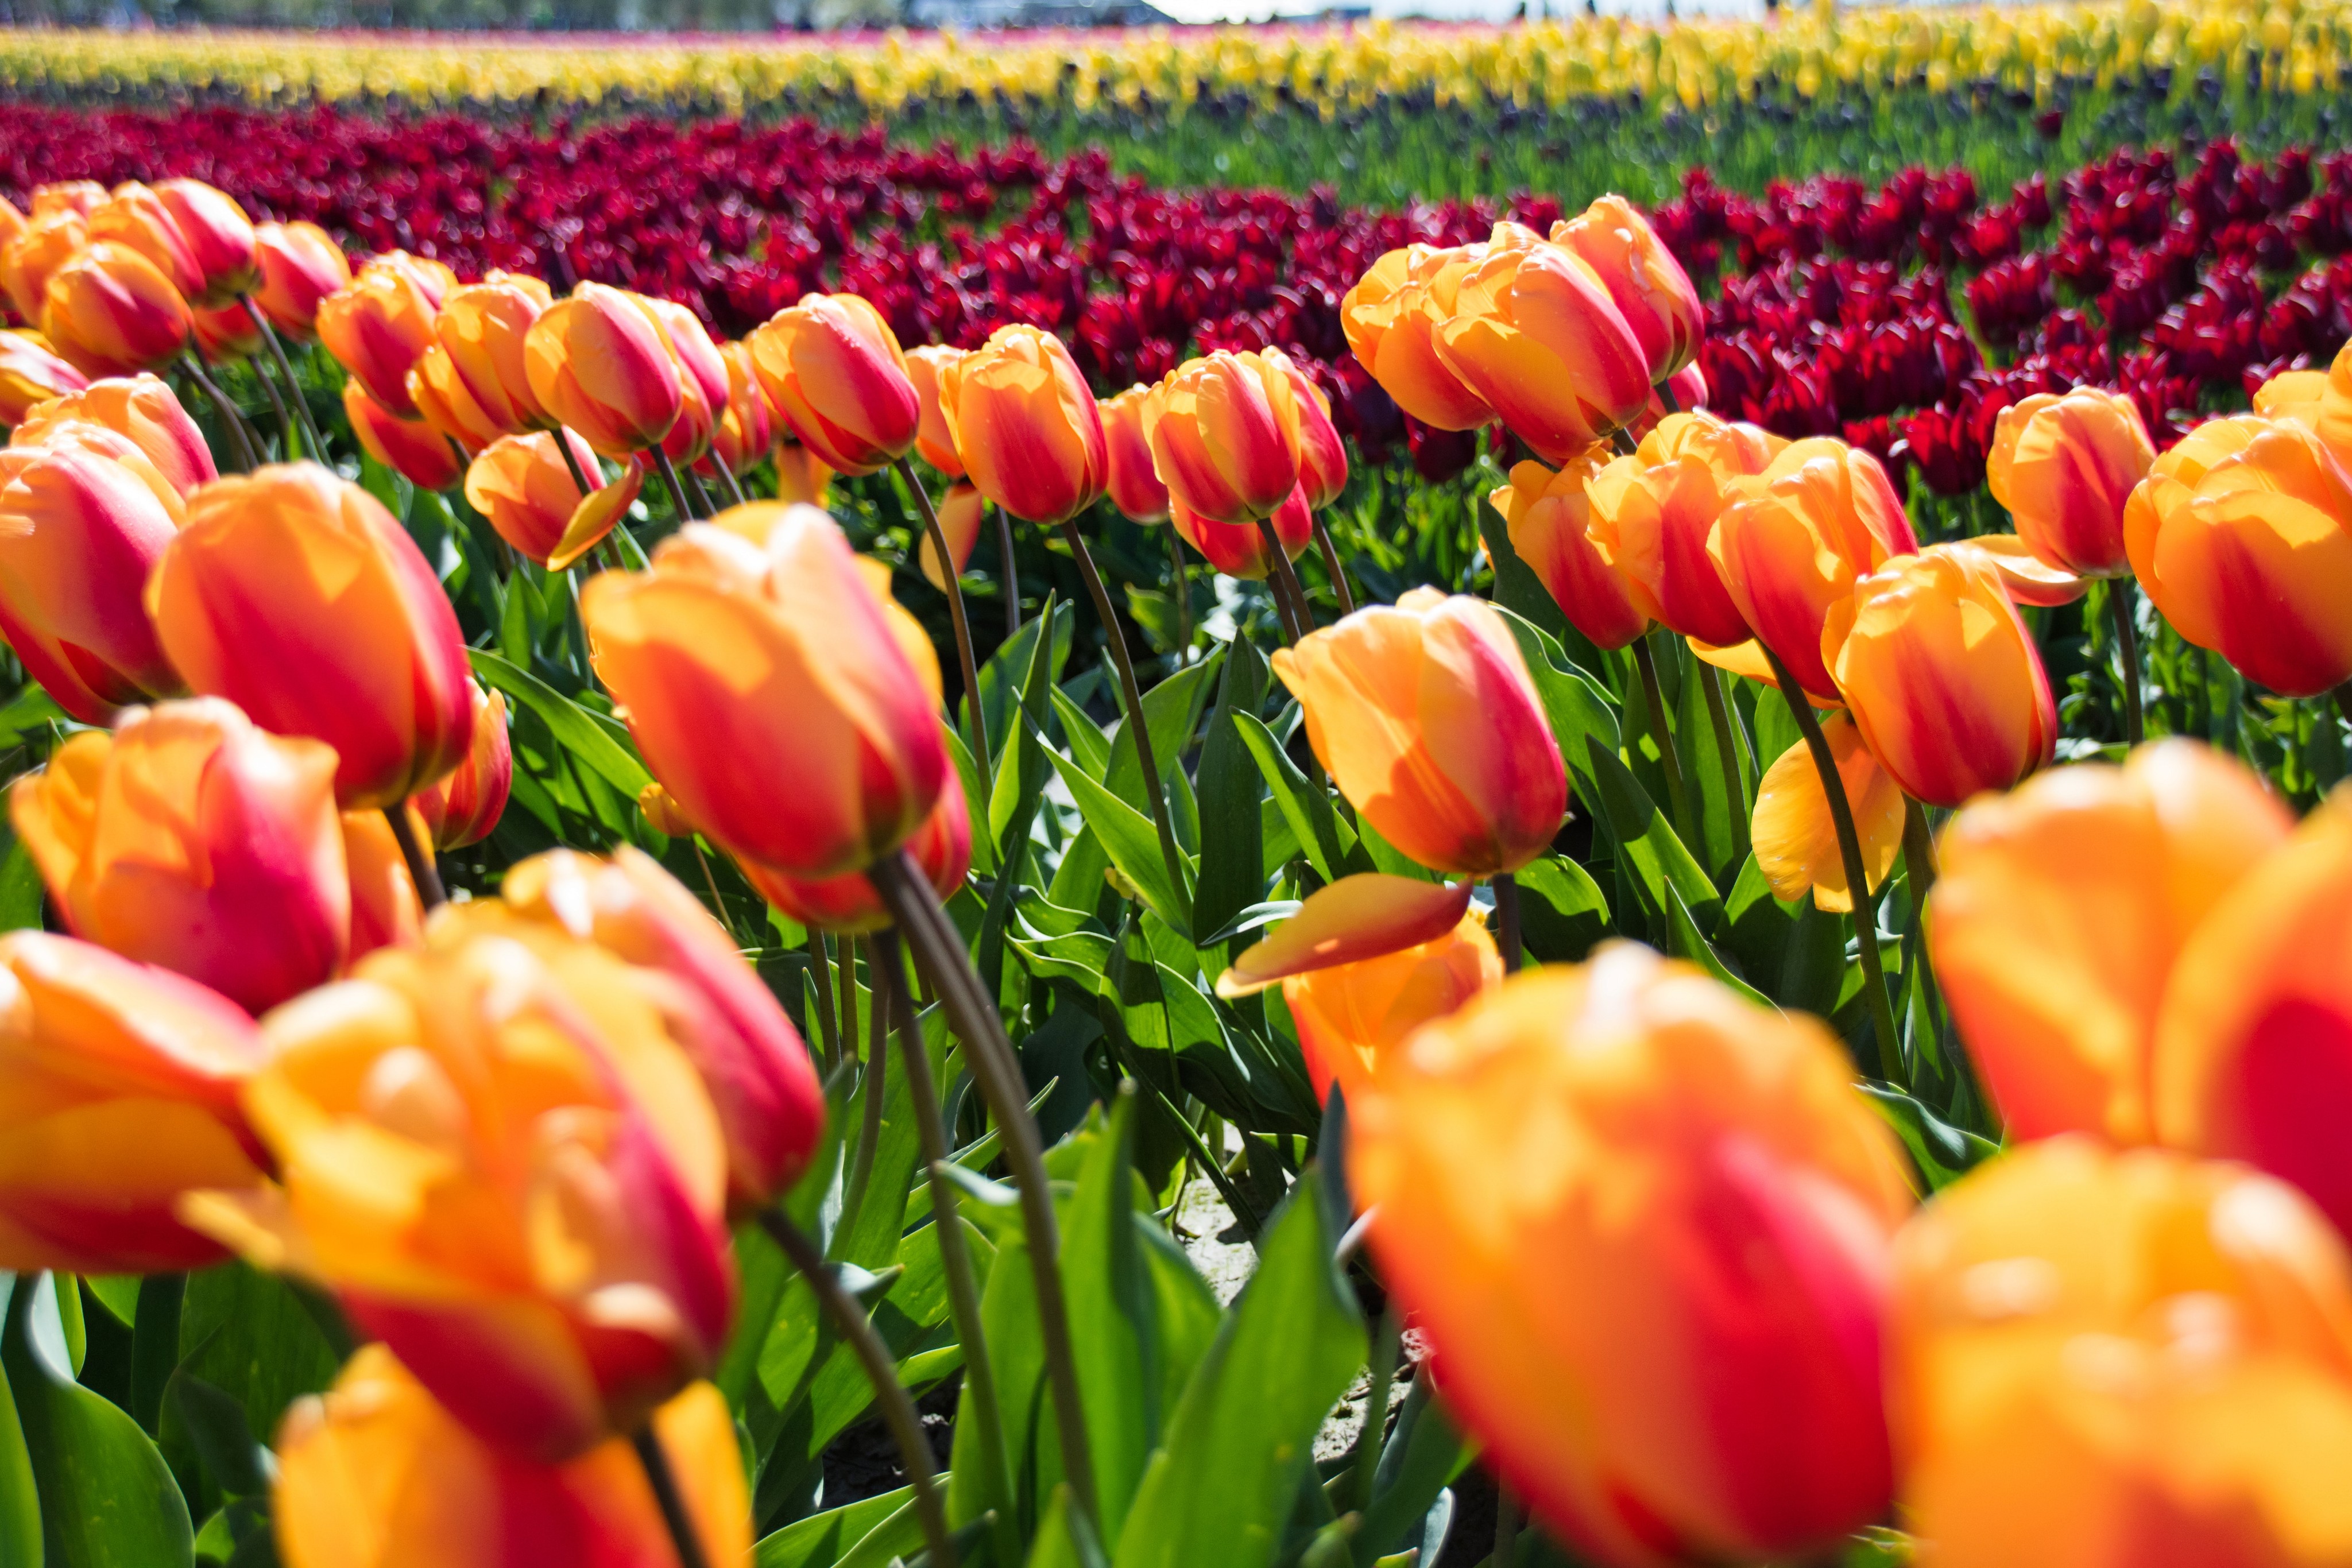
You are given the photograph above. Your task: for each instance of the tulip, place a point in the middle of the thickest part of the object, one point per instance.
(597, 361)
(83, 519)
(385, 910)
(1942, 678)
(374, 1473)
(523, 486)
(1533, 334)
(768, 693)
(1223, 433)
(1652, 512)
(1546, 514)
(848, 902)
(294, 594)
(481, 329)
(192, 839)
(747, 427)
(1426, 719)
(833, 371)
(661, 813)
(224, 335)
(13, 223)
(1794, 835)
(433, 279)
(31, 373)
(29, 258)
(770, 1107)
(1793, 541)
(1642, 1222)
(2104, 1360)
(497, 1155)
(1134, 485)
(934, 436)
(219, 239)
(1390, 316)
(2028, 579)
(961, 511)
(2294, 394)
(702, 378)
(117, 1092)
(301, 265)
(2242, 535)
(2250, 1056)
(409, 447)
(2064, 466)
(1644, 281)
(2060, 911)
(1322, 456)
(1238, 550)
(80, 198)
(801, 474)
(442, 399)
(1021, 418)
(112, 314)
(134, 216)
(463, 807)
(142, 409)
(376, 326)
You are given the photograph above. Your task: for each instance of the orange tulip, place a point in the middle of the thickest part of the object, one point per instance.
(481, 328)
(218, 238)
(375, 325)
(375, 1474)
(961, 511)
(496, 1152)
(2109, 1360)
(224, 335)
(190, 839)
(2242, 535)
(409, 447)
(144, 409)
(1546, 514)
(2028, 579)
(2064, 466)
(1024, 424)
(833, 371)
(1322, 456)
(941, 847)
(1653, 510)
(661, 813)
(1534, 333)
(768, 693)
(2060, 911)
(747, 427)
(28, 260)
(443, 401)
(112, 314)
(134, 216)
(597, 362)
(1644, 281)
(300, 266)
(1642, 1222)
(433, 279)
(1390, 316)
(1134, 485)
(463, 807)
(770, 1106)
(801, 474)
(83, 519)
(1238, 550)
(31, 373)
(13, 223)
(385, 911)
(1792, 541)
(1426, 717)
(80, 198)
(295, 594)
(1223, 433)
(523, 486)
(934, 436)
(1795, 836)
(702, 378)
(118, 1093)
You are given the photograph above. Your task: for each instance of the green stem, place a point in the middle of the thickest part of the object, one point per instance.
(1728, 748)
(318, 443)
(572, 461)
(876, 1087)
(278, 407)
(1506, 922)
(1011, 570)
(421, 869)
(975, 723)
(718, 904)
(701, 497)
(735, 497)
(683, 1536)
(1918, 857)
(1367, 1459)
(1285, 578)
(1183, 595)
(669, 477)
(227, 411)
(1332, 564)
(2119, 609)
(1670, 762)
(820, 973)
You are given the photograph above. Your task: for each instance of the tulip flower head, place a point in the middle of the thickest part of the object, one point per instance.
(219, 239)
(80, 198)
(1546, 514)
(2065, 467)
(1535, 334)
(411, 448)
(444, 400)
(1644, 281)
(481, 329)
(702, 378)
(301, 265)
(598, 363)
(1223, 433)
(1653, 510)
(1024, 423)
(112, 313)
(1238, 550)
(961, 510)
(934, 437)
(833, 369)
(144, 409)
(848, 902)
(28, 259)
(747, 425)
(134, 217)
(463, 807)
(376, 326)
(1796, 838)
(224, 334)
(522, 483)
(1322, 456)
(1135, 485)
(32, 373)
(1392, 316)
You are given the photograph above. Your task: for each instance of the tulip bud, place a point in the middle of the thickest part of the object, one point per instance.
(1390, 318)
(190, 839)
(702, 378)
(31, 373)
(144, 409)
(481, 329)
(597, 362)
(523, 486)
(300, 266)
(961, 511)
(375, 1471)
(1653, 510)
(1322, 456)
(79, 197)
(118, 1093)
(1426, 717)
(497, 1155)
(833, 371)
(1223, 433)
(1534, 333)
(32, 257)
(375, 325)
(218, 238)
(409, 447)
(1546, 514)
(1238, 550)
(1794, 835)
(1693, 1247)
(385, 910)
(2061, 911)
(112, 314)
(83, 519)
(442, 399)
(747, 427)
(1024, 423)
(1134, 484)
(847, 902)
(1644, 281)
(934, 436)
(134, 217)
(1792, 540)
(2242, 535)
(768, 693)
(463, 807)
(2064, 466)
(294, 594)
(2104, 1358)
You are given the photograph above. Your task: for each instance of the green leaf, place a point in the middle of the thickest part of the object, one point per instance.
(1943, 1153)
(1688, 943)
(20, 1495)
(1580, 712)
(1776, 727)
(250, 1336)
(577, 728)
(1112, 1333)
(1089, 747)
(823, 1539)
(1422, 1454)
(983, 846)
(1563, 910)
(1723, 810)
(20, 889)
(216, 1423)
(30, 710)
(1647, 845)
(1063, 1538)
(1322, 838)
(1172, 709)
(1128, 836)
(1231, 796)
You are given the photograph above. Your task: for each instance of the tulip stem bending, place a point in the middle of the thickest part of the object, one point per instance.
(1730, 752)
(1332, 564)
(976, 722)
(664, 1482)
(1136, 726)
(1184, 587)
(227, 411)
(1012, 571)
(318, 443)
(1670, 762)
(669, 477)
(1886, 1049)
(898, 1411)
(955, 1257)
(1287, 574)
(940, 949)
(1918, 856)
(421, 869)
(2119, 608)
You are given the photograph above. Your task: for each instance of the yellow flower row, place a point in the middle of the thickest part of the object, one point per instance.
(2296, 46)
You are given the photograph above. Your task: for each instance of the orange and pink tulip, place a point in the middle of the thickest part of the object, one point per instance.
(598, 363)
(1223, 433)
(1392, 316)
(2065, 466)
(462, 808)
(1025, 425)
(1134, 485)
(1238, 550)
(109, 312)
(410, 447)
(833, 373)
(1535, 334)
(1653, 510)
(301, 267)
(1547, 516)
(144, 409)
(376, 326)
(848, 902)
(1644, 281)
(522, 483)
(32, 373)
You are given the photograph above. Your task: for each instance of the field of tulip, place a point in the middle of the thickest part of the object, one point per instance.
(686, 792)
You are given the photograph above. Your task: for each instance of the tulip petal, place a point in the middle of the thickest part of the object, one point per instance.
(1354, 918)
(2029, 579)
(1796, 837)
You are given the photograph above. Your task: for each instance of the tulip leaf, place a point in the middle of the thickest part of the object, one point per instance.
(1322, 837)
(1424, 1453)
(823, 1539)
(1563, 910)
(1022, 770)
(216, 1423)
(1064, 1541)
(1112, 1333)
(1089, 747)
(1943, 1153)
(20, 1495)
(1230, 795)
(1011, 677)
(1172, 709)
(1718, 794)
(983, 846)
(1580, 712)
(1646, 845)
(20, 889)
(1687, 943)
(1521, 595)
(250, 1336)
(576, 728)
(1128, 836)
